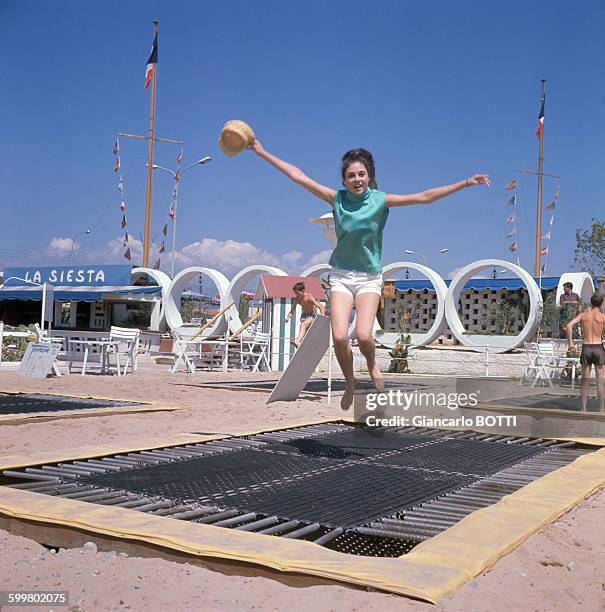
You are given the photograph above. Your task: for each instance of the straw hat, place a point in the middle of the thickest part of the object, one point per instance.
(235, 136)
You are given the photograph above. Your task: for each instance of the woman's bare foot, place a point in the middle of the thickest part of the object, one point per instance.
(349, 394)
(377, 378)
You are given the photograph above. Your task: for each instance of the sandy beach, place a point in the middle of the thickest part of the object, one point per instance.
(560, 568)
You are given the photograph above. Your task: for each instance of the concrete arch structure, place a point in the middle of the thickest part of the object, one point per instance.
(235, 288)
(582, 285)
(439, 324)
(480, 342)
(172, 302)
(158, 316)
(316, 270)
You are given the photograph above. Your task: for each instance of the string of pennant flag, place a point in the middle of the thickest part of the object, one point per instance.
(123, 223)
(512, 219)
(544, 249)
(171, 207)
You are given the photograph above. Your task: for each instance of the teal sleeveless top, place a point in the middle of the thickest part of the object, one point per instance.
(359, 223)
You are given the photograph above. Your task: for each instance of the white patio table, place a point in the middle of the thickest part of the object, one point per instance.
(103, 345)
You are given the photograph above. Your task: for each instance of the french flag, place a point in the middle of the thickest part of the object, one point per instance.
(151, 62)
(540, 120)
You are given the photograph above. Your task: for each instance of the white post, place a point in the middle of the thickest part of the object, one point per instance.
(330, 351)
(43, 306)
(176, 200)
(487, 360)
(1, 340)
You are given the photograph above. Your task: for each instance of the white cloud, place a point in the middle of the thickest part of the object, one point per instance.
(62, 245)
(228, 256)
(319, 258)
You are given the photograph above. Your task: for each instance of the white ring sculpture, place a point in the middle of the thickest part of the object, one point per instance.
(447, 300)
(316, 270)
(163, 281)
(439, 324)
(172, 301)
(481, 342)
(235, 288)
(582, 285)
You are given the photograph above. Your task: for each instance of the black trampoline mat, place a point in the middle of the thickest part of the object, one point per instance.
(341, 479)
(26, 403)
(549, 401)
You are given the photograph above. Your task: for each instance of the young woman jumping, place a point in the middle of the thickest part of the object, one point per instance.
(360, 214)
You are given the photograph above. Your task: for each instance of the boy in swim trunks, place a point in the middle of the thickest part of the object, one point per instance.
(308, 304)
(593, 352)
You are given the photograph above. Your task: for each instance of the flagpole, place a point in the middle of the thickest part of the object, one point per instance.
(539, 203)
(150, 143)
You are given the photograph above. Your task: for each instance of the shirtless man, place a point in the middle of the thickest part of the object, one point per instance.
(308, 304)
(593, 352)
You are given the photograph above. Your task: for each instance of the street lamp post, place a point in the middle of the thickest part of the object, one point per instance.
(444, 250)
(73, 242)
(177, 179)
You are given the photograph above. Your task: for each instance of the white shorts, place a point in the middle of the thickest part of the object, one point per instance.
(355, 283)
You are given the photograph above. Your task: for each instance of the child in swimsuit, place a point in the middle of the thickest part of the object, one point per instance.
(308, 304)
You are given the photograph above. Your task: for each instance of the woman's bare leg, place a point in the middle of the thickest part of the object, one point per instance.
(366, 305)
(341, 305)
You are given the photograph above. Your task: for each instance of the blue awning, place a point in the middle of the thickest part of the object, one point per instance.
(479, 284)
(77, 294)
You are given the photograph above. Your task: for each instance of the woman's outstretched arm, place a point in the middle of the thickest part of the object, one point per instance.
(296, 174)
(430, 195)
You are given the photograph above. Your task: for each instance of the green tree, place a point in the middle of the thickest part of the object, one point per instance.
(590, 248)
(244, 308)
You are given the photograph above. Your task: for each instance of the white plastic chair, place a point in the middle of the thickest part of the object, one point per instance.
(127, 345)
(542, 364)
(254, 351)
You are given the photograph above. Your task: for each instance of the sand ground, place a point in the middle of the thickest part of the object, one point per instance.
(560, 568)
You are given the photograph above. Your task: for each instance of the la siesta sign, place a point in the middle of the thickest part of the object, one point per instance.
(114, 275)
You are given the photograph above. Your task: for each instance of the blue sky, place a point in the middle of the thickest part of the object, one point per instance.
(438, 91)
